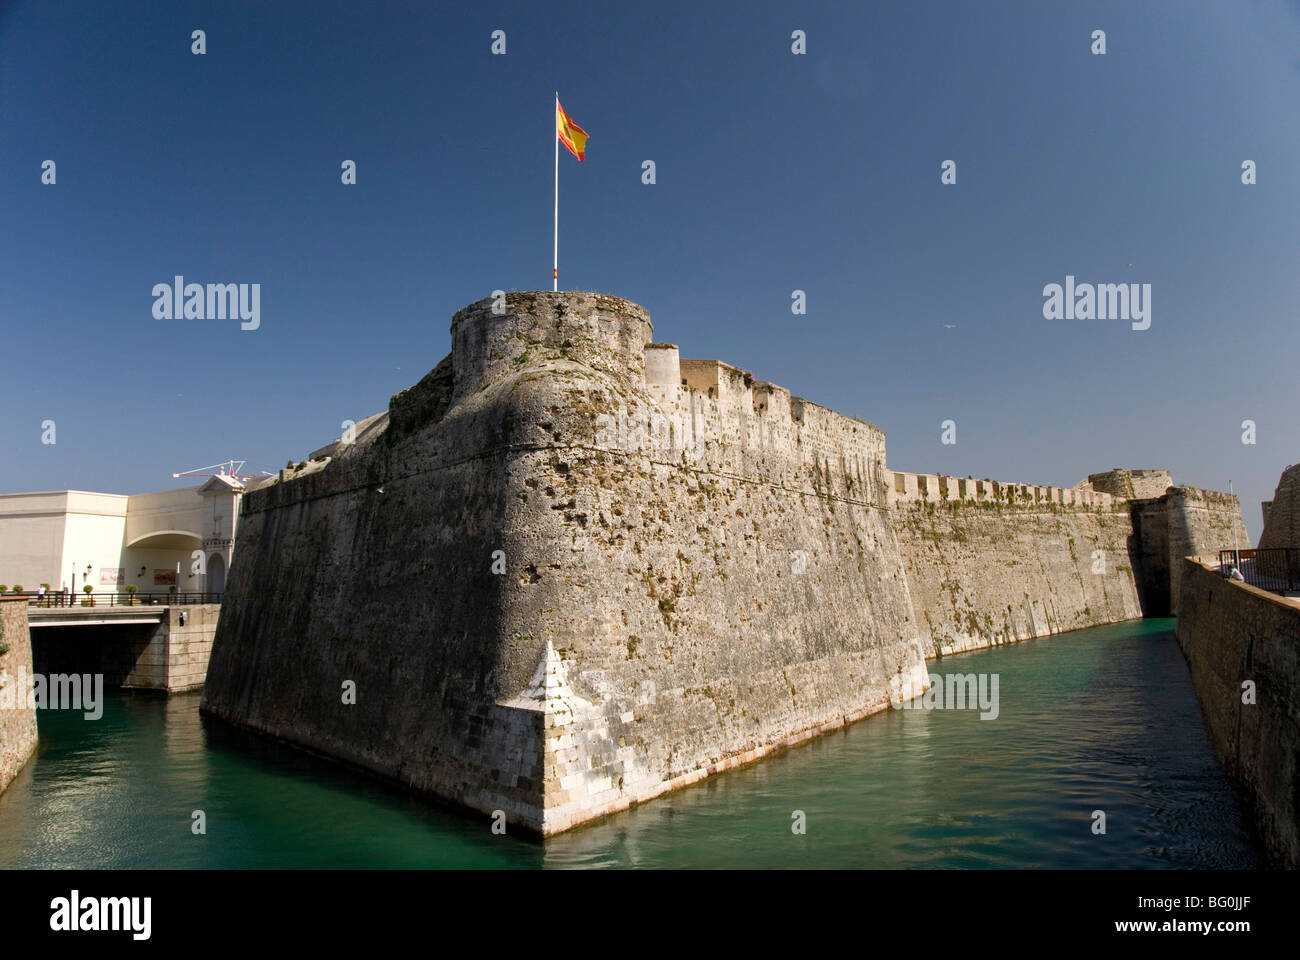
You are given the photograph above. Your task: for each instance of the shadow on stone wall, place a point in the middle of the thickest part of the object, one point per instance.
(1148, 550)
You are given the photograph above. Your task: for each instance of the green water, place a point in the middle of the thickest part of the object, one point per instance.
(1098, 719)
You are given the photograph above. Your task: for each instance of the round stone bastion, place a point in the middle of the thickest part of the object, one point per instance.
(491, 337)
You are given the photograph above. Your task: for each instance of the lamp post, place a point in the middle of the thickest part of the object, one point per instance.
(1236, 554)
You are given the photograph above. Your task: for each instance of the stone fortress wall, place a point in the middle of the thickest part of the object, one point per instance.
(18, 738)
(1282, 513)
(1129, 484)
(1233, 634)
(570, 570)
(1003, 569)
(693, 577)
(991, 562)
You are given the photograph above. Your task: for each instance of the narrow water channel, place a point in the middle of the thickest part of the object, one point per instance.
(1100, 719)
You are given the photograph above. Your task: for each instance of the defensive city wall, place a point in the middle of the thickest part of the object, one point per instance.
(909, 488)
(1243, 649)
(1282, 513)
(570, 570)
(990, 562)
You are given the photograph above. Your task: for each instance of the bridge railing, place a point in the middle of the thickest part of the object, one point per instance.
(1275, 569)
(64, 599)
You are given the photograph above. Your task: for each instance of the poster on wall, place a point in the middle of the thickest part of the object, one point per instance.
(111, 576)
(164, 578)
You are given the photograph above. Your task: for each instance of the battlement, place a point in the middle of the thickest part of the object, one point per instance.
(1203, 498)
(722, 417)
(703, 412)
(907, 488)
(617, 390)
(1129, 484)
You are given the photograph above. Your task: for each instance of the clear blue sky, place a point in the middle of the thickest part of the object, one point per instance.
(775, 172)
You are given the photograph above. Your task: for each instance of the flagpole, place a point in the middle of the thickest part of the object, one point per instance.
(555, 249)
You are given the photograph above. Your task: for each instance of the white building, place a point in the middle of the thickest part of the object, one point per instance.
(70, 538)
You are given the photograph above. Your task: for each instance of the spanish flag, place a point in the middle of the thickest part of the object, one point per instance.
(570, 134)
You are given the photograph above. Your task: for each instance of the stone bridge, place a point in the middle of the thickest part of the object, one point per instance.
(134, 647)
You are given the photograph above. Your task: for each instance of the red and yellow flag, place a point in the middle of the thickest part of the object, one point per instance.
(570, 134)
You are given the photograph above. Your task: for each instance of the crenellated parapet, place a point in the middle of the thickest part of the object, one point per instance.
(913, 488)
(1127, 484)
(712, 415)
(623, 393)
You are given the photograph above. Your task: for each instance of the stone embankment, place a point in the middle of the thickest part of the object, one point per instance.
(17, 714)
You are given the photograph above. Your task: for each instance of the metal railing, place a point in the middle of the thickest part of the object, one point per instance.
(103, 599)
(1277, 570)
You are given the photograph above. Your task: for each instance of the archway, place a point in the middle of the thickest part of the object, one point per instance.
(216, 573)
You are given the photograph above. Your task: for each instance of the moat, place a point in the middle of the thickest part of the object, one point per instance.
(1099, 719)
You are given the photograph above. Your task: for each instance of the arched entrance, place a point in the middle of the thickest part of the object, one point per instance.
(216, 573)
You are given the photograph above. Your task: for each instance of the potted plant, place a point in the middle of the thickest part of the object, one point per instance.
(18, 588)
(4, 588)
(88, 590)
(131, 589)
